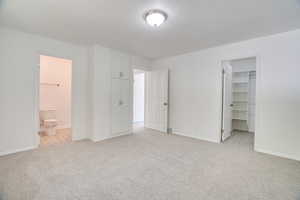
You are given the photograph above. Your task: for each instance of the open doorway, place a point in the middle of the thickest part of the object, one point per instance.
(138, 99)
(238, 100)
(55, 82)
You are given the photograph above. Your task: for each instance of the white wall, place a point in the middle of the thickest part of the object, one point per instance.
(195, 92)
(100, 92)
(52, 97)
(19, 85)
(19, 59)
(141, 63)
(139, 97)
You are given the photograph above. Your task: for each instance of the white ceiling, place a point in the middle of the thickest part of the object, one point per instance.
(192, 24)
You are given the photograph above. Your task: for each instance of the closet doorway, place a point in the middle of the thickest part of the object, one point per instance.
(238, 100)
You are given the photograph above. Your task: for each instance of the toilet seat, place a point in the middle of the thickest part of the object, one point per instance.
(48, 121)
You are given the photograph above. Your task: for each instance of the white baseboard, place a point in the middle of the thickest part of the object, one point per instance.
(154, 128)
(282, 155)
(79, 138)
(198, 138)
(3, 153)
(110, 137)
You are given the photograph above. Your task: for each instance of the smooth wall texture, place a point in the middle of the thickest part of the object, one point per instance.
(19, 85)
(19, 59)
(99, 93)
(100, 90)
(55, 88)
(195, 92)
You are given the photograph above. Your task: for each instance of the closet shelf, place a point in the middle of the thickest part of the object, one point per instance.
(240, 82)
(236, 101)
(240, 91)
(237, 110)
(239, 119)
(241, 72)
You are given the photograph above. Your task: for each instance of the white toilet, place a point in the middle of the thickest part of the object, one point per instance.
(48, 121)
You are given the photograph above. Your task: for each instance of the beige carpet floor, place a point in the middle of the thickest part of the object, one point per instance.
(149, 166)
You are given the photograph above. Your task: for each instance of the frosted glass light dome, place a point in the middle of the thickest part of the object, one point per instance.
(155, 17)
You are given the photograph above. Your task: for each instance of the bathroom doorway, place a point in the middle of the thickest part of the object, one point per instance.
(55, 87)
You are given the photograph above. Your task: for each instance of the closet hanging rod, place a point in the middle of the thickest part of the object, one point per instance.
(51, 84)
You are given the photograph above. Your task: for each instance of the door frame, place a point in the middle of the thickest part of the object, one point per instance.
(257, 92)
(37, 92)
(223, 93)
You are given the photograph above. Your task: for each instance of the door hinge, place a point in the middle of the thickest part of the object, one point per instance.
(222, 130)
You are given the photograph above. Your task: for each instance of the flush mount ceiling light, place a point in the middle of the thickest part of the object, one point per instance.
(155, 17)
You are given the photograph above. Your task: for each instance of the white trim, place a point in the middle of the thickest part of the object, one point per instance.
(111, 137)
(37, 101)
(155, 128)
(197, 138)
(282, 155)
(3, 153)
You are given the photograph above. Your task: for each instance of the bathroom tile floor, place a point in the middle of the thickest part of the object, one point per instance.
(62, 136)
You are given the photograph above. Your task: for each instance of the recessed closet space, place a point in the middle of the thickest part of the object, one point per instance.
(243, 94)
(111, 82)
(121, 90)
(239, 94)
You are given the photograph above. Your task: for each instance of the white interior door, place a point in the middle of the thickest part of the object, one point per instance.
(157, 101)
(227, 101)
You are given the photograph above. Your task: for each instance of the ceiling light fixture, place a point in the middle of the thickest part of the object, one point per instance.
(155, 17)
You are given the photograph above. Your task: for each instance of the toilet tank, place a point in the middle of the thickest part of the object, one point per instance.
(47, 114)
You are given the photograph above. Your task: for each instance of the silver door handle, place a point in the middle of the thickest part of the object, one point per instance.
(121, 74)
(231, 105)
(165, 104)
(120, 102)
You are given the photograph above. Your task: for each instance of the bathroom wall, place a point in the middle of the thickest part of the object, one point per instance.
(56, 97)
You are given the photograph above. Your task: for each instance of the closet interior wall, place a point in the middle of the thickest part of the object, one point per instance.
(243, 94)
